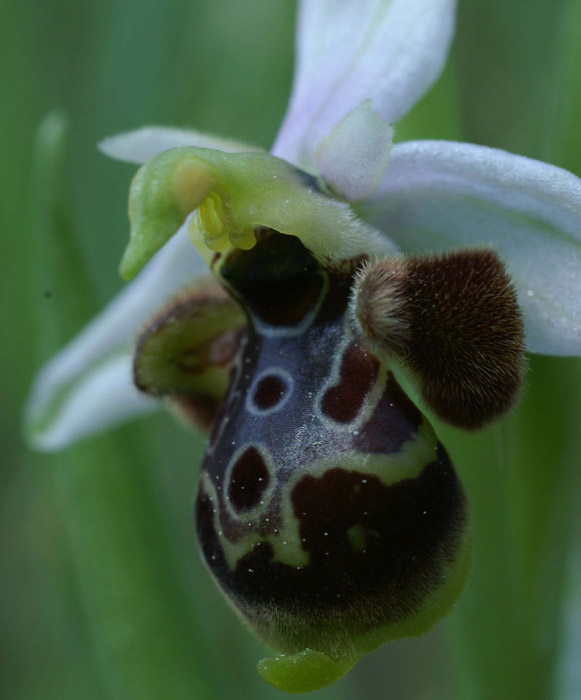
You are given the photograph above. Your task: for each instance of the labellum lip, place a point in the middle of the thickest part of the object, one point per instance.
(327, 510)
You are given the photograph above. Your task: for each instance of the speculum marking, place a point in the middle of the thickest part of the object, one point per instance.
(248, 480)
(269, 391)
(358, 374)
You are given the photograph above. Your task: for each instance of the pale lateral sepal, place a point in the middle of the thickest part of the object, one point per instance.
(439, 195)
(112, 332)
(100, 399)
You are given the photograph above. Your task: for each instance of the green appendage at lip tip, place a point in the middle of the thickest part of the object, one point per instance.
(310, 670)
(303, 672)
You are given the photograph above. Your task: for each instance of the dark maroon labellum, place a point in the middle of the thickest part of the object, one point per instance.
(327, 509)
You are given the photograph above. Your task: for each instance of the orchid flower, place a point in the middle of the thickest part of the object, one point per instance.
(343, 257)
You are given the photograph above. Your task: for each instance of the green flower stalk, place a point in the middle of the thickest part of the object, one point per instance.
(328, 511)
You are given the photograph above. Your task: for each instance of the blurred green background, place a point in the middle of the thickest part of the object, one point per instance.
(102, 591)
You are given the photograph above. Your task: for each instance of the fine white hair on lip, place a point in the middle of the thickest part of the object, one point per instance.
(379, 305)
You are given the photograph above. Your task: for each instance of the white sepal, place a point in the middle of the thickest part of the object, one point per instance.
(104, 397)
(388, 51)
(110, 334)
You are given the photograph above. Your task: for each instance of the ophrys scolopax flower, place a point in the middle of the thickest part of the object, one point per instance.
(327, 509)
